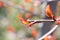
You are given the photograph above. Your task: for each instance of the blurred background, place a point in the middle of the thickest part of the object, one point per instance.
(11, 27)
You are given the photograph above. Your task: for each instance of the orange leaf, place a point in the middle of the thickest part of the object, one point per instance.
(49, 12)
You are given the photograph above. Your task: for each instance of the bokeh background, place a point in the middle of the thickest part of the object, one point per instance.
(12, 29)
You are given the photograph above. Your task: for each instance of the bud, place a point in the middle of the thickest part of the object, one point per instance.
(25, 22)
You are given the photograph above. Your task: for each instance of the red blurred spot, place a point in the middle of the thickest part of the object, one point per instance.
(1, 4)
(27, 15)
(11, 29)
(34, 32)
(28, 0)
